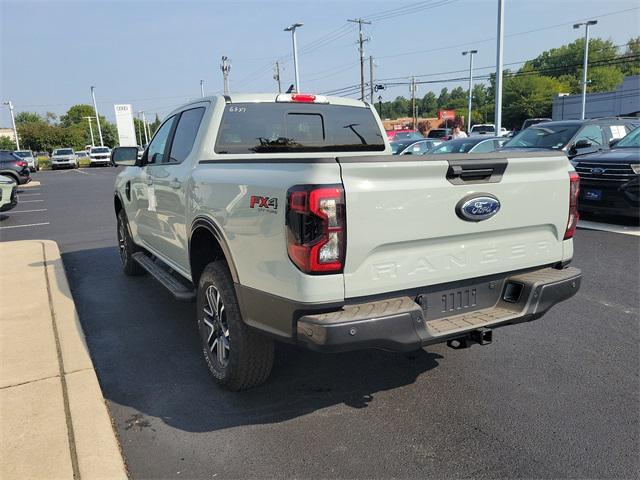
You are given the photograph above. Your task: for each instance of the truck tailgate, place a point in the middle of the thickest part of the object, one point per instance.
(403, 231)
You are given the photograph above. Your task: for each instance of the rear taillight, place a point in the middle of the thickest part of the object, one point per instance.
(316, 223)
(301, 98)
(21, 163)
(574, 191)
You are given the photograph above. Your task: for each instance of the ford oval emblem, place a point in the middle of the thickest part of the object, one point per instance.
(477, 207)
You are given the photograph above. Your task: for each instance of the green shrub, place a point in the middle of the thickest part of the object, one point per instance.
(44, 163)
(84, 163)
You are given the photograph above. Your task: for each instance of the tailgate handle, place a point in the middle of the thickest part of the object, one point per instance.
(458, 171)
(476, 170)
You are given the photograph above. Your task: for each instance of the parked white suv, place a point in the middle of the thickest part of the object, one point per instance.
(287, 218)
(27, 156)
(64, 158)
(99, 156)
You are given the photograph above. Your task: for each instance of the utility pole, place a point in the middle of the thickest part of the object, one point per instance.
(225, 67)
(95, 108)
(139, 137)
(202, 88)
(471, 53)
(292, 29)
(413, 101)
(371, 79)
(380, 105)
(13, 123)
(499, 65)
(93, 142)
(276, 76)
(586, 62)
(361, 41)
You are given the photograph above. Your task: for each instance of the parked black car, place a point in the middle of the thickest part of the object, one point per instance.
(610, 180)
(14, 167)
(574, 137)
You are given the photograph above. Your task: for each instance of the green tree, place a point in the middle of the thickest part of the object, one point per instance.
(7, 144)
(603, 79)
(76, 114)
(528, 96)
(428, 105)
(28, 117)
(443, 99)
(154, 126)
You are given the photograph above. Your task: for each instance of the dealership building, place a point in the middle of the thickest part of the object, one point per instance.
(623, 102)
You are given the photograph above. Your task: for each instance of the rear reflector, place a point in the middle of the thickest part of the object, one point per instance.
(301, 98)
(574, 191)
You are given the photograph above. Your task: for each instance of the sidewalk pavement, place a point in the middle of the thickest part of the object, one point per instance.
(54, 423)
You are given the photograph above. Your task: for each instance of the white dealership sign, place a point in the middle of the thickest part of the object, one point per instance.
(124, 123)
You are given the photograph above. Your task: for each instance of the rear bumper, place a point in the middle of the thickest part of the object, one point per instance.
(402, 324)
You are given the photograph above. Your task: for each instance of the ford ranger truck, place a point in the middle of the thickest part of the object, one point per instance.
(286, 218)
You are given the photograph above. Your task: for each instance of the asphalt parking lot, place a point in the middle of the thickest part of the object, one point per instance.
(554, 398)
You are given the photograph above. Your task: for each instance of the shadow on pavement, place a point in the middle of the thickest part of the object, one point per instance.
(145, 349)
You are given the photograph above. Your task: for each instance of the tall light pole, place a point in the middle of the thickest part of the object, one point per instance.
(499, 65)
(93, 142)
(586, 62)
(202, 88)
(225, 67)
(292, 29)
(95, 108)
(13, 123)
(144, 126)
(471, 53)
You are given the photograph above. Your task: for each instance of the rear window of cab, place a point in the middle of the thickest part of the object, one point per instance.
(294, 127)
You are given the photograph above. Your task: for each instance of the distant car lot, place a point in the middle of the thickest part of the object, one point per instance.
(434, 413)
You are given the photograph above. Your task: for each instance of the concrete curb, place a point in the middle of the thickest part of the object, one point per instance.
(55, 423)
(32, 183)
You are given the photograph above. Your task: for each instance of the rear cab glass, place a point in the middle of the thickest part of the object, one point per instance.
(297, 128)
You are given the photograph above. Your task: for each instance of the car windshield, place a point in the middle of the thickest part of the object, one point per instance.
(461, 145)
(438, 133)
(100, 150)
(407, 136)
(632, 140)
(483, 129)
(544, 135)
(63, 151)
(397, 147)
(23, 153)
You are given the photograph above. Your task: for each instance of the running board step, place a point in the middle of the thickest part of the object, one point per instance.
(166, 278)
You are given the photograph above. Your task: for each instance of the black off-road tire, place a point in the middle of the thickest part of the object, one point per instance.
(127, 247)
(250, 354)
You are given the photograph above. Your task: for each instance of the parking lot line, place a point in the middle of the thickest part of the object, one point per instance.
(30, 201)
(29, 194)
(28, 225)
(30, 211)
(608, 227)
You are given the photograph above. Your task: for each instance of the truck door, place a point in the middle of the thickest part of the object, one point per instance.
(169, 182)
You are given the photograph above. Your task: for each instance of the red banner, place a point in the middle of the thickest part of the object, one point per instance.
(446, 114)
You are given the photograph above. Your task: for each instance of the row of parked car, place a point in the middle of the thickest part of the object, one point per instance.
(604, 151)
(67, 157)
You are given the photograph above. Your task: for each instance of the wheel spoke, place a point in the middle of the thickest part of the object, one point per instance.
(211, 330)
(220, 350)
(214, 344)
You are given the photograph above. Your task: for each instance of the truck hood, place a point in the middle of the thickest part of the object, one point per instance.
(615, 155)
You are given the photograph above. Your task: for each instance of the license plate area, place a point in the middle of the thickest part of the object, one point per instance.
(447, 302)
(593, 195)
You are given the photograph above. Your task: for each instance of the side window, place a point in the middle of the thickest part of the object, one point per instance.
(591, 133)
(185, 135)
(484, 147)
(155, 152)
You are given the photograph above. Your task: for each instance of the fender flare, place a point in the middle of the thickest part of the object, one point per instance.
(205, 222)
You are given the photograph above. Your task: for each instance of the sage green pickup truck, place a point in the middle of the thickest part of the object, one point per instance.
(286, 218)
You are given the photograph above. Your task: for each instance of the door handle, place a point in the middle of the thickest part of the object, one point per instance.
(175, 183)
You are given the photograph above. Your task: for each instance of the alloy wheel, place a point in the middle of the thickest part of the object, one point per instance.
(215, 320)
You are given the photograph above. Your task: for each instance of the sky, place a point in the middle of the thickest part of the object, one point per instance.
(153, 54)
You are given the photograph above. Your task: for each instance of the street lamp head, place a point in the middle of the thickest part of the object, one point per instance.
(577, 25)
(293, 27)
(592, 22)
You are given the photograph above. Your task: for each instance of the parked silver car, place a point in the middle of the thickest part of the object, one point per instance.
(27, 156)
(64, 158)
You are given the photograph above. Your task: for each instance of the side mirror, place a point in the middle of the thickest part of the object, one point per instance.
(127, 156)
(582, 144)
(613, 142)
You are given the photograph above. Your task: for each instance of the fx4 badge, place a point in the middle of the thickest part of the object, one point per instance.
(265, 204)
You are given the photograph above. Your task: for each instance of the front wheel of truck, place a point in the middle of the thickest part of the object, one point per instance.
(238, 357)
(127, 247)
